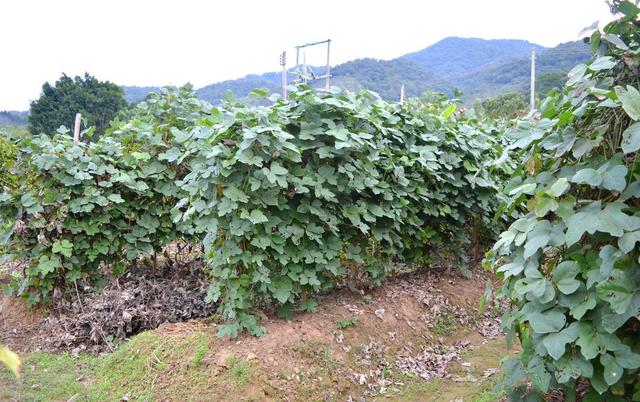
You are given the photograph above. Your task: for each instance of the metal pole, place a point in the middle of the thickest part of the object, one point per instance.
(533, 79)
(327, 82)
(283, 63)
(402, 94)
(76, 128)
(304, 67)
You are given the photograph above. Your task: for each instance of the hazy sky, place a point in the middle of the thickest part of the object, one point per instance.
(140, 42)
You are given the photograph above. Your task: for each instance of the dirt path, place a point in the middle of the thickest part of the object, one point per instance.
(419, 337)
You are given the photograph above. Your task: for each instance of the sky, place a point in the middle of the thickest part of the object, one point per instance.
(141, 42)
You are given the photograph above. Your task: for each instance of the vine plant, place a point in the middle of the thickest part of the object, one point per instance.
(570, 262)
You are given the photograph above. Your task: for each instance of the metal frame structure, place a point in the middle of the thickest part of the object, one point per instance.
(327, 73)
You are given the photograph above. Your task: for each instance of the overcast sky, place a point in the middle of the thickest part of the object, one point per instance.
(156, 42)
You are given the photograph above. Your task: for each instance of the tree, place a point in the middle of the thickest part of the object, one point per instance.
(98, 101)
(548, 81)
(505, 106)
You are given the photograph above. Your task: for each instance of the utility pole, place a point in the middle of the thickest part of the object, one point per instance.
(533, 79)
(283, 63)
(402, 94)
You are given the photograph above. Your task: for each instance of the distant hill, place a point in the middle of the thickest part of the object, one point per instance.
(479, 67)
(13, 118)
(454, 57)
(387, 76)
(134, 94)
(514, 75)
(241, 87)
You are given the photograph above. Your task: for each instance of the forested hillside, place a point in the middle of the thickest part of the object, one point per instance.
(13, 118)
(514, 75)
(454, 57)
(478, 67)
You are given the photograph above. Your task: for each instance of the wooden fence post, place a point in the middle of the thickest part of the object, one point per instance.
(76, 129)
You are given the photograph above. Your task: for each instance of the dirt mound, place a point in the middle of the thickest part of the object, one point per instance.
(96, 321)
(416, 324)
(418, 337)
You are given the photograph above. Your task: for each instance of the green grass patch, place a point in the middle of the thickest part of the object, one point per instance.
(347, 322)
(48, 377)
(445, 325)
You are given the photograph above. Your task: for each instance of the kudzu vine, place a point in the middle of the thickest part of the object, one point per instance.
(570, 262)
(307, 193)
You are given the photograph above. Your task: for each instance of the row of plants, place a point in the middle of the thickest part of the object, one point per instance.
(570, 261)
(83, 209)
(332, 187)
(289, 198)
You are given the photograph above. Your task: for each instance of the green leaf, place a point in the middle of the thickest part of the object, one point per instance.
(592, 342)
(546, 322)
(257, 216)
(614, 178)
(587, 176)
(602, 63)
(608, 254)
(564, 277)
(143, 156)
(576, 73)
(544, 205)
(628, 241)
(115, 198)
(631, 138)
(559, 187)
(555, 343)
(612, 370)
(309, 305)
(228, 329)
(630, 98)
(540, 377)
(281, 289)
(616, 291)
(537, 239)
(340, 134)
(47, 265)
(64, 247)
(277, 169)
(572, 366)
(615, 39)
(234, 194)
(627, 359)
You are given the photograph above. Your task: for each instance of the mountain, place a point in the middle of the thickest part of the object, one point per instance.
(454, 57)
(241, 87)
(387, 76)
(514, 75)
(134, 94)
(13, 118)
(479, 67)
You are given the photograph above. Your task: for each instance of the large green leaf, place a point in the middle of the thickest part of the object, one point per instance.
(555, 343)
(546, 322)
(630, 98)
(631, 138)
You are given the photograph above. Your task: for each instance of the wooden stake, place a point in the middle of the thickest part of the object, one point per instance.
(76, 129)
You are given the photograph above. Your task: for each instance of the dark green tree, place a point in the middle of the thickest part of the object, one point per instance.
(505, 106)
(98, 101)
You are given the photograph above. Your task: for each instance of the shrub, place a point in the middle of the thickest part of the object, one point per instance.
(102, 204)
(570, 260)
(329, 187)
